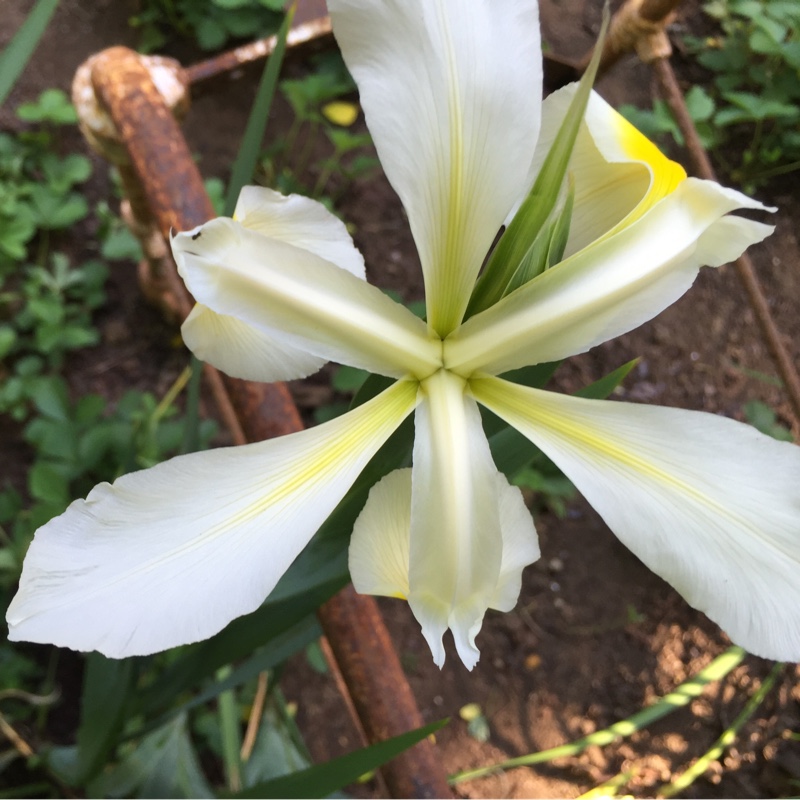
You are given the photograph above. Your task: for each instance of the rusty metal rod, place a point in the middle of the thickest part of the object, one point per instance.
(177, 200)
(377, 696)
(744, 265)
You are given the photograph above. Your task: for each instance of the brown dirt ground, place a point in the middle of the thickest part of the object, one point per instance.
(568, 660)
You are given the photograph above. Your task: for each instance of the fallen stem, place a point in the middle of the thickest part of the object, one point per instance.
(682, 696)
(727, 738)
(254, 720)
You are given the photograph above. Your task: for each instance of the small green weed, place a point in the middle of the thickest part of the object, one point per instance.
(37, 186)
(78, 444)
(750, 113)
(210, 23)
(764, 419)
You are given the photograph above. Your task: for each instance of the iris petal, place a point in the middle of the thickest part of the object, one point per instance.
(610, 287)
(709, 504)
(170, 555)
(452, 99)
(303, 300)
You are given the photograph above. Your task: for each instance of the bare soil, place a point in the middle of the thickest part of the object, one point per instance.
(595, 636)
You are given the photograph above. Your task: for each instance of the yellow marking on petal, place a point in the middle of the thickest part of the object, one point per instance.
(388, 408)
(379, 417)
(516, 404)
(340, 112)
(665, 174)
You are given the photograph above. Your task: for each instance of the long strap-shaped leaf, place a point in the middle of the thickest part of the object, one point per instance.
(523, 230)
(323, 779)
(18, 52)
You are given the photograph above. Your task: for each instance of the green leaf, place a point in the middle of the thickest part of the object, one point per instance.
(8, 338)
(601, 389)
(764, 419)
(89, 408)
(275, 752)
(700, 104)
(283, 609)
(18, 51)
(210, 34)
(348, 379)
(53, 210)
(47, 483)
(52, 106)
(247, 157)
(73, 337)
(276, 652)
(16, 232)
(163, 765)
(62, 174)
(121, 244)
(51, 398)
(523, 230)
(323, 779)
(106, 685)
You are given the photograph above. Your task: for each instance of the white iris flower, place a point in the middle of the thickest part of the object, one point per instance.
(452, 97)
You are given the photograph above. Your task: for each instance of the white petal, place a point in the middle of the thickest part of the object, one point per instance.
(170, 555)
(242, 351)
(709, 504)
(520, 544)
(452, 98)
(300, 221)
(610, 287)
(305, 301)
(619, 173)
(379, 547)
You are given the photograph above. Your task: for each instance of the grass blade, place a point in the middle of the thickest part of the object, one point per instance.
(682, 696)
(322, 780)
(19, 50)
(250, 147)
(725, 740)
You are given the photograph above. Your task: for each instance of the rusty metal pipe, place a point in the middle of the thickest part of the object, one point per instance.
(177, 200)
(355, 630)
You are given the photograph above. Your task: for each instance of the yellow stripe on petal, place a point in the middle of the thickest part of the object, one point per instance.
(170, 555)
(709, 504)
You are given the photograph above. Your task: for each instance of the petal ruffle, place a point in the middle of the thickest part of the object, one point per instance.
(610, 287)
(302, 300)
(379, 547)
(170, 555)
(709, 504)
(452, 98)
